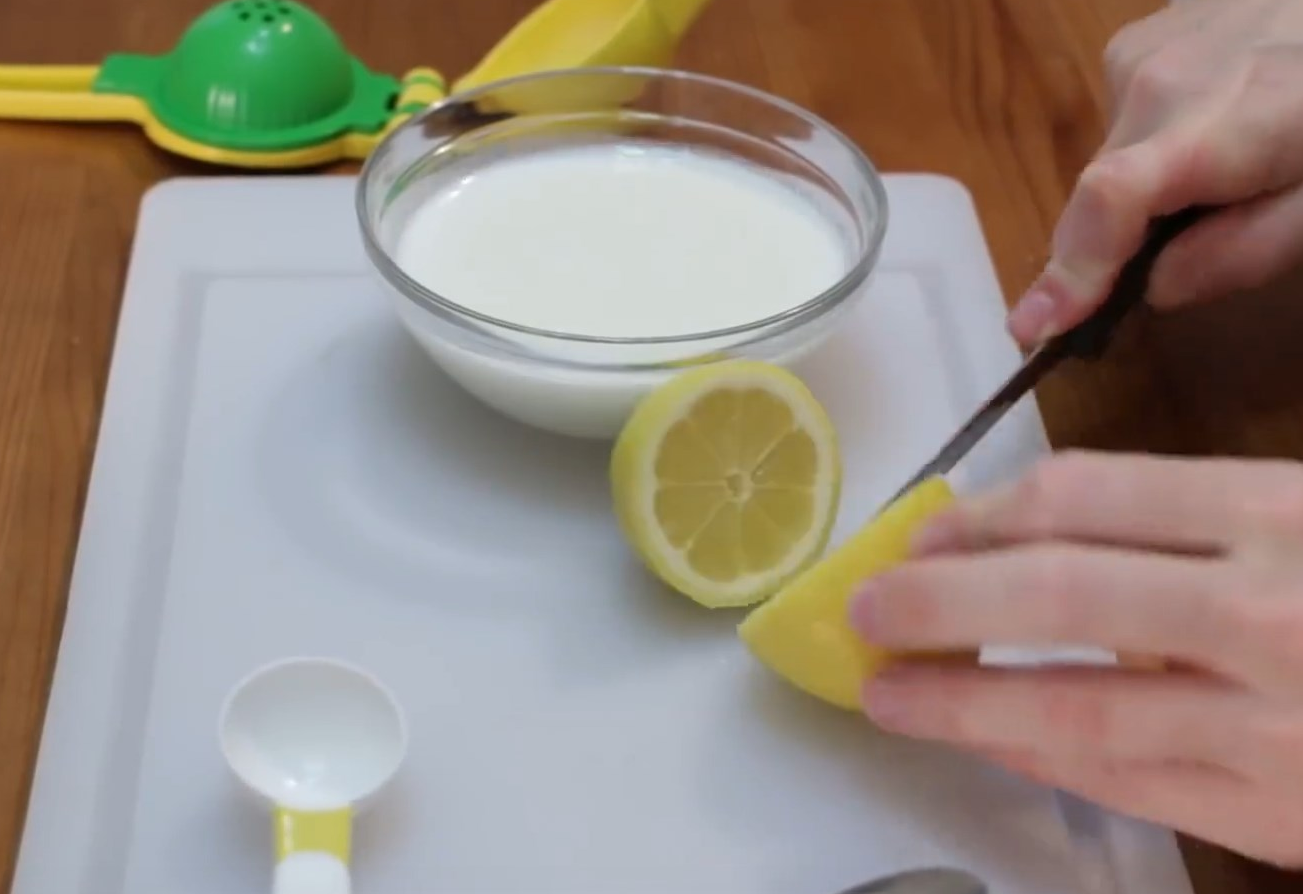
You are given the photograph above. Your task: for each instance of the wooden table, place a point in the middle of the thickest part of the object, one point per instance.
(1003, 94)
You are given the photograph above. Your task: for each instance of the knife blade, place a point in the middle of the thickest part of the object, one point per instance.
(1088, 340)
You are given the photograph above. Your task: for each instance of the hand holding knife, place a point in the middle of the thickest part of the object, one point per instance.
(1085, 341)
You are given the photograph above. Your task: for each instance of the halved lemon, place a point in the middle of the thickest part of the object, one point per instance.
(726, 481)
(803, 633)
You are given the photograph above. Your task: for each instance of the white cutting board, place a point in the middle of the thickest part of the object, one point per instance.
(281, 472)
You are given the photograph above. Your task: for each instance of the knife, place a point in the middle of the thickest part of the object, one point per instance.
(1086, 341)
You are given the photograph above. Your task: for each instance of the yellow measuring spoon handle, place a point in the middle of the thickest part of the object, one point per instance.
(61, 93)
(312, 851)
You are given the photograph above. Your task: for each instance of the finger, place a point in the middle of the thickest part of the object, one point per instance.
(1191, 506)
(1141, 115)
(1234, 149)
(1173, 46)
(1081, 714)
(1061, 595)
(1137, 41)
(1243, 247)
(1208, 803)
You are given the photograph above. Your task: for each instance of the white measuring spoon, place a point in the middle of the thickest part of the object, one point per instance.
(316, 739)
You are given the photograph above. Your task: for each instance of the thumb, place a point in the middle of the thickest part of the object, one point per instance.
(1242, 247)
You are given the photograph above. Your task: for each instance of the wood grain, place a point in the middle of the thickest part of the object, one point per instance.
(1005, 95)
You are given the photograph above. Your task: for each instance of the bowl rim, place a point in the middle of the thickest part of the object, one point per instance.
(431, 301)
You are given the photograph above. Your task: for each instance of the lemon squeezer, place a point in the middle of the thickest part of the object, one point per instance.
(269, 84)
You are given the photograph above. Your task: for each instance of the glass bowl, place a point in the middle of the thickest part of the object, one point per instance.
(587, 385)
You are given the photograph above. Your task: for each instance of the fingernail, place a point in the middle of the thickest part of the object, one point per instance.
(1033, 319)
(864, 608)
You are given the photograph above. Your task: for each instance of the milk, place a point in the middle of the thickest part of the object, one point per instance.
(615, 240)
(624, 241)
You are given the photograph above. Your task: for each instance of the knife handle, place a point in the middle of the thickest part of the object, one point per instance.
(1089, 338)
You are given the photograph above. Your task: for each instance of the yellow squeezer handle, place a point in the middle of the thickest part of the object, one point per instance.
(60, 93)
(421, 87)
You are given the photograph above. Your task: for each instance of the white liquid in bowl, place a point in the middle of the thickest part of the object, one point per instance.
(622, 241)
(617, 241)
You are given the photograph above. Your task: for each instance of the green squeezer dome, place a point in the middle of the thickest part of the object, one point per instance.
(256, 75)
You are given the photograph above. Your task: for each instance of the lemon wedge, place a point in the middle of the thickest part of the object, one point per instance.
(803, 633)
(726, 481)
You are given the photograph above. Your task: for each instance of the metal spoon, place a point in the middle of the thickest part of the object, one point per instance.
(935, 880)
